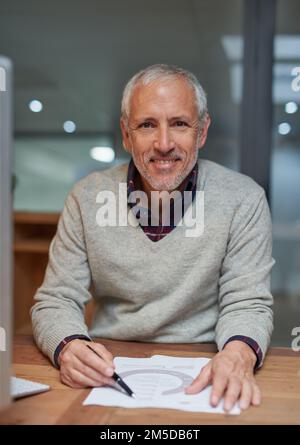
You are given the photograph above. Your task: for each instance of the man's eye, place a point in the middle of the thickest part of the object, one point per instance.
(180, 124)
(146, 125)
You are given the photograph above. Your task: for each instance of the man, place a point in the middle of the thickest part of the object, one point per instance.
(152, 282)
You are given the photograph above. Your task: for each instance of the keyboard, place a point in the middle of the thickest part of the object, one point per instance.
(21, 387)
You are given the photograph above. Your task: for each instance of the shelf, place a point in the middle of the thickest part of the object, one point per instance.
(33, 233)
(32, 246)
(36, 218)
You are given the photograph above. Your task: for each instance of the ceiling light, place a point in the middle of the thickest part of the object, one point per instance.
(69, 126)
(284, 128)
(291, 107)
(35, 105)
(103, 154)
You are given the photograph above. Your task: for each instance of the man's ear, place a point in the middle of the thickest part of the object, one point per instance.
(204, 131)
(125, 135)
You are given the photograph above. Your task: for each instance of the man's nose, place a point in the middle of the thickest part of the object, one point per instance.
(164, 141)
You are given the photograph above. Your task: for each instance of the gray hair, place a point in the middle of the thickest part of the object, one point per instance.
(164, 72)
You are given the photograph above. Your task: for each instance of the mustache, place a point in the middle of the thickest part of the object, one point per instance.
(163, 157)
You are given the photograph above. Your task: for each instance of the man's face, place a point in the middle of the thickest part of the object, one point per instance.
(163, 133)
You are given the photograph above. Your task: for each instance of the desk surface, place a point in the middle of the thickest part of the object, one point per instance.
(279, 380)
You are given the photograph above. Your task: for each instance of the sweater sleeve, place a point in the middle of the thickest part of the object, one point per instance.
(59, 302)
(245, 300)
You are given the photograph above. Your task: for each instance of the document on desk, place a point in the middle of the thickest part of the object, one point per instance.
(158, 382)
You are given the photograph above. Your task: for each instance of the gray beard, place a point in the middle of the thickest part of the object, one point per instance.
(168, 184)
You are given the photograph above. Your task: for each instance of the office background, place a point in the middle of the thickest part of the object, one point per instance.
(71, 62)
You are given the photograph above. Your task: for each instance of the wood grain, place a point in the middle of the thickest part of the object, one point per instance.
(279, 380)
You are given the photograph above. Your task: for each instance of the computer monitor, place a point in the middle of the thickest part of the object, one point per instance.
(5, 227)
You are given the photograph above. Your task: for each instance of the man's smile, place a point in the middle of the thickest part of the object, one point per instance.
(163, 164)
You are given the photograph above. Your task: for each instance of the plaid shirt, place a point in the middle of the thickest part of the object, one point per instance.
(159, 231)
(156, 233)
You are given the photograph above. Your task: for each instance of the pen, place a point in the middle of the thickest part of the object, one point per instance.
(117, 378)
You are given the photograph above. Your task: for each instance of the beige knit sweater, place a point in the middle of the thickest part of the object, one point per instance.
(180, 289)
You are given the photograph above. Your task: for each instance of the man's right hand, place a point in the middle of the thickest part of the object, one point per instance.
(81, 368)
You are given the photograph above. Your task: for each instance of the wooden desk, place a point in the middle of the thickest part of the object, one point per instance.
(279, 381)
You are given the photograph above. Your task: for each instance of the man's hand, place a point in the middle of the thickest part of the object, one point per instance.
(80, 367)
(231, 374)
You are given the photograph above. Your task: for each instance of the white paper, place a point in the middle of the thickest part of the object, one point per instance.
(158, 382)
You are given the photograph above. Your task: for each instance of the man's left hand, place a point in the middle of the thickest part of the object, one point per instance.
(231, 373)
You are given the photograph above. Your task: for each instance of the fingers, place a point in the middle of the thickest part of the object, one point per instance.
(103, 352)
(232, 393)
(256, 397)
(234, 389)
(76, 379)
(81, 367)
(220, 382)
(246, 395)
(231, 374)
(201, 381)
(98, 378)
(101, 363)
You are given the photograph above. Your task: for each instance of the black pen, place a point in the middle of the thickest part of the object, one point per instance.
(117, 378)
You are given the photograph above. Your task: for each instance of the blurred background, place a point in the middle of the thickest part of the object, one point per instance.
(72, 60)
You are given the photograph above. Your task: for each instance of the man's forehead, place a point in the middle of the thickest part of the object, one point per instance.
(162, 88)
(175, 94)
